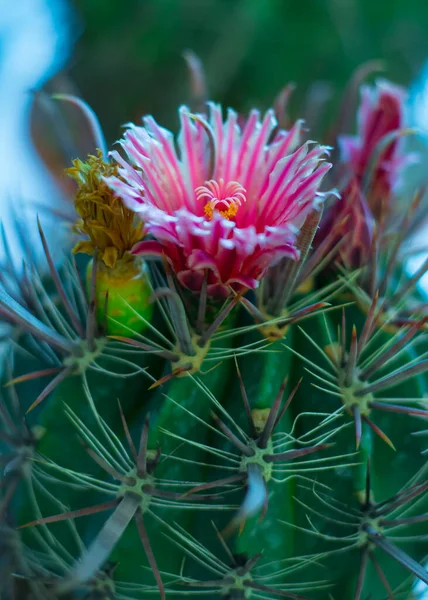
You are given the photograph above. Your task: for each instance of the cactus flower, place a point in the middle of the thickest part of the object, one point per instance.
(381, 114)
(352, 221)
(374, 160)
(227, 202)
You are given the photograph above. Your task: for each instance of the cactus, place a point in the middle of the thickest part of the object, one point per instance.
(227, 399)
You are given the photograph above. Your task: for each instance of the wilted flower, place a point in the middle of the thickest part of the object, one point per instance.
(228, 202)
(110, 226)
(353, 223)
(377, 149)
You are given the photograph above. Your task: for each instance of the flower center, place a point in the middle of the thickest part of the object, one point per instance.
(225, 198)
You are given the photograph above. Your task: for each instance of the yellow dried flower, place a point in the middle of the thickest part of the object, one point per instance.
(111, 227)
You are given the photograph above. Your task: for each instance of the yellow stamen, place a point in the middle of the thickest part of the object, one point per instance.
(227, 214)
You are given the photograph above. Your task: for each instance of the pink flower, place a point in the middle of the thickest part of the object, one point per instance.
(381, 113)
(224, 200)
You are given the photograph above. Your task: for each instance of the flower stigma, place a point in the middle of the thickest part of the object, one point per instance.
(224, 198)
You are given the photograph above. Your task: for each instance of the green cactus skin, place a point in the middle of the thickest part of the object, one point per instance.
(390, 470)
(123, 297)
(171, 414)
(263, 377)
(282, 533)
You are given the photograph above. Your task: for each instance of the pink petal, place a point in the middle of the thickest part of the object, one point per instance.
(148, 248)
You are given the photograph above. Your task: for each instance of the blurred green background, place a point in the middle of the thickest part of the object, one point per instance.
(128, 58)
